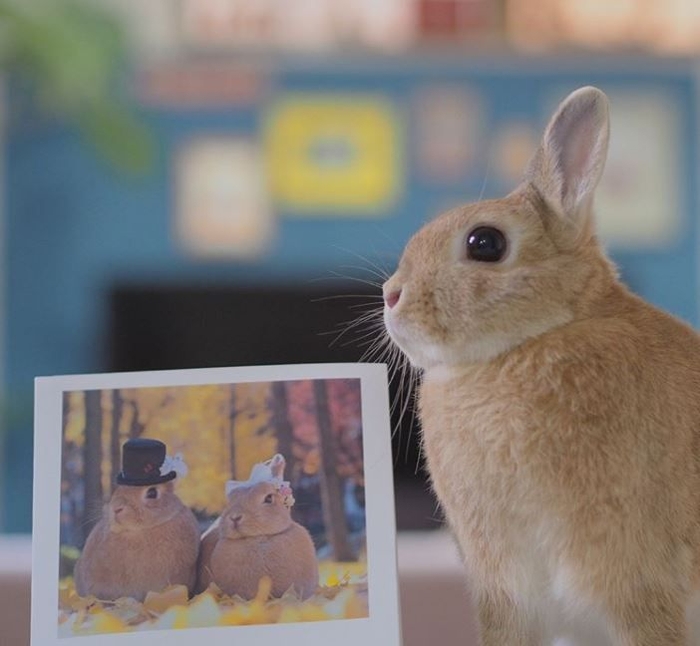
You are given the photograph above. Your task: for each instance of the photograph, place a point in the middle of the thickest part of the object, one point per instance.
(233, 502)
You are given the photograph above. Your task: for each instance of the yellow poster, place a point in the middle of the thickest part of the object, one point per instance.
(338, 153)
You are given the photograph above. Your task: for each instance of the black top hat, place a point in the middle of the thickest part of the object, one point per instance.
(141, 462)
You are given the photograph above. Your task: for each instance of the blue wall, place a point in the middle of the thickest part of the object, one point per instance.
(73, 227)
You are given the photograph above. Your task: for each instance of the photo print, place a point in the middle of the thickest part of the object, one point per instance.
(214, 500)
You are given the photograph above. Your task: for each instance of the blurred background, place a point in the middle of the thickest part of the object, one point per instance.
(191, 183)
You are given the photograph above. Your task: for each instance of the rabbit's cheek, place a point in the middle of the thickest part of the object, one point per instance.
(420, 352)
(405, 325)
(393, 326)
(124, 520)
(400, 333)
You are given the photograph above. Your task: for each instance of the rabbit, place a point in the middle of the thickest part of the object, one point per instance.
(255, 536)
(146, 540)
(560, 413)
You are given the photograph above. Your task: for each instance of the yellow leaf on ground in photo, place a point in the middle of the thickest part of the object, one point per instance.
(95, 608)
(106, 622)
(245, 614)
(231, 617)
(67, 598)
(334, 573)
(311, 612)
(264, 589)
(159, 602)
(82, 604)
(290, 615)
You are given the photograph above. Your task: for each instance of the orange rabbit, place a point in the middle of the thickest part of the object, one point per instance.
(147, 539)
(560, 413)
(256, 537)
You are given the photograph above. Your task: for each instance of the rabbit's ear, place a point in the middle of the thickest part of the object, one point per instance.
(568, 165)
(277, 464)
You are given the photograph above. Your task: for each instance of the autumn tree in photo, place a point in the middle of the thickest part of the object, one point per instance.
(222, 430)
(326, 418)
(92, 458)
(331, 485)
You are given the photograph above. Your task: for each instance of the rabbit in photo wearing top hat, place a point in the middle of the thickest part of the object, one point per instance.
(147, 538)
(256, 537)
(560, 413)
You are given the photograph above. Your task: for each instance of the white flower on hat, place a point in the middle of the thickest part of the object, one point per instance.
(176, 464)
(270, 471)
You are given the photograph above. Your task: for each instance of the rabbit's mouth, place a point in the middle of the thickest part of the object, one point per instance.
(234, 527)
(398, 333)
(119, 525)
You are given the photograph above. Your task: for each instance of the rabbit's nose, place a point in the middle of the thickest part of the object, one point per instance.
(391, 298)
(236, 519)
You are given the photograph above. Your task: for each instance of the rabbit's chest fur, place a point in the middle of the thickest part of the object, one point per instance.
(237, 565)
(132, 563)
(477, 451)
(566, 458)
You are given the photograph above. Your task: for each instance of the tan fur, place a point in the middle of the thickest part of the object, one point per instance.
(147, 546)
(265, 541)
(560, 413)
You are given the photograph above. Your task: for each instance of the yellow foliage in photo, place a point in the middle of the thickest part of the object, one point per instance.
(342, 595)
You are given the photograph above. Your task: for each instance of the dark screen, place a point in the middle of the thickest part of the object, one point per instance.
(160, 327)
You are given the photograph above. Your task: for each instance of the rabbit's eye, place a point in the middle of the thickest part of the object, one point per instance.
(152, 493)
(268, 499)
(486, 244)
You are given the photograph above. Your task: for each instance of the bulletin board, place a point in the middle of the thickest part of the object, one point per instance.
(313, 164)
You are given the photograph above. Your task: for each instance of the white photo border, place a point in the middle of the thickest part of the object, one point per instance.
(382, 626)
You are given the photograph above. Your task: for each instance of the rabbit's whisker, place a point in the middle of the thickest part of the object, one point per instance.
(382, 270)
(331, 297)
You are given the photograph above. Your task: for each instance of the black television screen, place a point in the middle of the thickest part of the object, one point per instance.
(173, 326)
